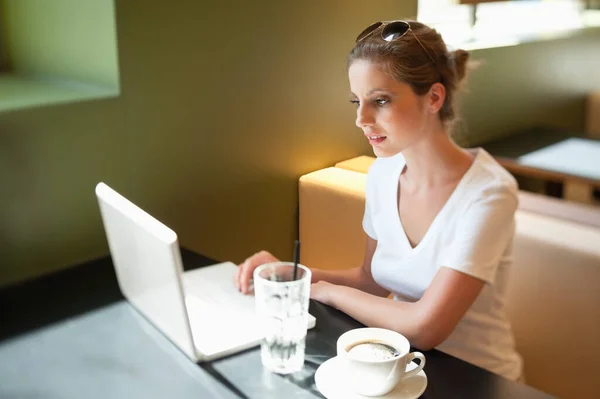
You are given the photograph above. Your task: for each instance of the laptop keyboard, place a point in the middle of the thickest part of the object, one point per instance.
(215, 296)
(220, 317)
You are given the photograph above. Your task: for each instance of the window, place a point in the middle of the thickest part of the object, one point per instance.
(496, 23)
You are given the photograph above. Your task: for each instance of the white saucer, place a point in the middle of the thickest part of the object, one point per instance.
(330, 382)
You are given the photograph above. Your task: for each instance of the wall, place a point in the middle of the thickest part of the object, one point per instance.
(4, 60)
(66, 40)
(535, 83)
(222, 107)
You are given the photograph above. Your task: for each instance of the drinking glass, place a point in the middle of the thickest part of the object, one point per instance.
(282, 308)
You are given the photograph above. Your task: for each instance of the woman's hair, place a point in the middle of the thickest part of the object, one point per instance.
(406, 61)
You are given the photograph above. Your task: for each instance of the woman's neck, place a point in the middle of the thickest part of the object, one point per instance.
(433, 161)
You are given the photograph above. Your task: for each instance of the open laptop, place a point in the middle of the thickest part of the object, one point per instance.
(199, 310)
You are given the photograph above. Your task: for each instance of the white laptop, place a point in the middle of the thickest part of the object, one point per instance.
(199, 310)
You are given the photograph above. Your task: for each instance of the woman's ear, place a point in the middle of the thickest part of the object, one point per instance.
(436, 97)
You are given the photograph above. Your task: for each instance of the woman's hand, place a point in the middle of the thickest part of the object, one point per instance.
(323, 292)
(243, 276)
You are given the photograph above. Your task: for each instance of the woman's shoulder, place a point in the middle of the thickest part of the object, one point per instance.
(490, 189)
(490, 177)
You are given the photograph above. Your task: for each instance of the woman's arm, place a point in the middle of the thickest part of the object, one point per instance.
(358, 277)
(426, 323)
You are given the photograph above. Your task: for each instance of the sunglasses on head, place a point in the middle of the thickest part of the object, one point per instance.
(392, 30)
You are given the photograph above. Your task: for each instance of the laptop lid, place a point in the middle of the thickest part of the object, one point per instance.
(148, 265)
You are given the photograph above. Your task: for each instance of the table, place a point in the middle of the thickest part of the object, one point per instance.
(571, 160)
(72, 335)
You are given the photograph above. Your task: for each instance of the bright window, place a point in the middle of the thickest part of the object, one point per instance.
(500, 23)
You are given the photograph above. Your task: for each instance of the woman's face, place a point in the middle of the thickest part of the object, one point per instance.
(390, 114)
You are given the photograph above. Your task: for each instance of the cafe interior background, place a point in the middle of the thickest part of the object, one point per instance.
(206, 113)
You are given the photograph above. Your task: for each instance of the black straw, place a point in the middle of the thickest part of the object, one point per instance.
(296, 258)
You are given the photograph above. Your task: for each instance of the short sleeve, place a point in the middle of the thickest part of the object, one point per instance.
(367, 222)
(485, 231)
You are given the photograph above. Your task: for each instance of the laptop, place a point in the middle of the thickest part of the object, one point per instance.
(200, 311)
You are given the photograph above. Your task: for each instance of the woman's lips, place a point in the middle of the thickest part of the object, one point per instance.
(374, 139)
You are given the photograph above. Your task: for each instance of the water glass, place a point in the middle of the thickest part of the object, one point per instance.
(282, 308)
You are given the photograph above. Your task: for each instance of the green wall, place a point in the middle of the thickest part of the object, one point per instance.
(4, 60)
(223, 106)
(535, 83)
(67, 40)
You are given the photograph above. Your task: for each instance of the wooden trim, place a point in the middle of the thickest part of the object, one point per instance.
(515, 167)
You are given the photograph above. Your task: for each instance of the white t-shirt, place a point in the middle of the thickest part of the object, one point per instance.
(472, 233)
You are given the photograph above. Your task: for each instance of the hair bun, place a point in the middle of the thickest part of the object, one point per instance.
(460, 58)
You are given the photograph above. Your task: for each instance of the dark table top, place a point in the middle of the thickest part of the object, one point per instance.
(526, 141)
(72, 335)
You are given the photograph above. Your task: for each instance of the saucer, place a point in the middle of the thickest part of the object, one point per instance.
(329, 380)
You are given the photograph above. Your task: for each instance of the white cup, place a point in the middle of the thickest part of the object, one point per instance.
(376, 377)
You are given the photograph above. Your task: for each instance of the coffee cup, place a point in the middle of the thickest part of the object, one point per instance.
(374, 360)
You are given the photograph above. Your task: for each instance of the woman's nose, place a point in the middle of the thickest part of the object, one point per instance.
(363, 117)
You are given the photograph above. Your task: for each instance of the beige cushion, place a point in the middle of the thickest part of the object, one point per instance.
(332, 201)
(358, 164)
(554, 292)
(557, 208)
(553, 303)
(592, 114)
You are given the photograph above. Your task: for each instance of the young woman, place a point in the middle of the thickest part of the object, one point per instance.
(439, 218)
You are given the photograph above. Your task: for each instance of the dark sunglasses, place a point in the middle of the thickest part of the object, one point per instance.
(392, 30)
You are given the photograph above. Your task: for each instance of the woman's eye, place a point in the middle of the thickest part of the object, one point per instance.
(379, 102)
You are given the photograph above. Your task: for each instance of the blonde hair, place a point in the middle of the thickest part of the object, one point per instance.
(406, 61)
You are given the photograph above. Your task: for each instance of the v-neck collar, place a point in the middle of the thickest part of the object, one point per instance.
(410, 250)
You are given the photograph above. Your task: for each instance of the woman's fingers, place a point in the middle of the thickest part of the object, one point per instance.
(246, 269)
(245, 275)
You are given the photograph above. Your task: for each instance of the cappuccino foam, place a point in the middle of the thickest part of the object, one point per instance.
(373, 351)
